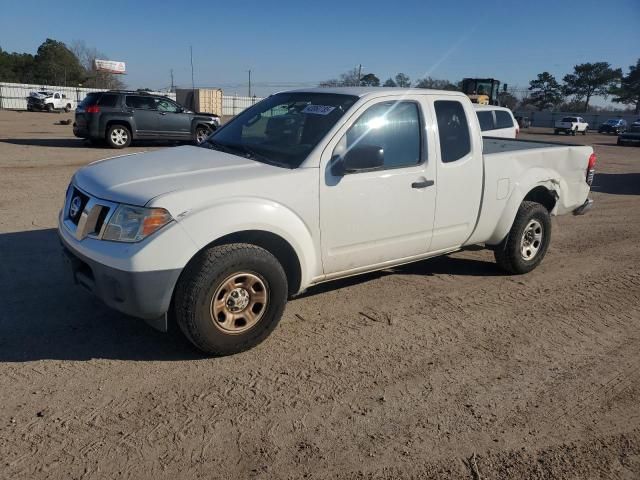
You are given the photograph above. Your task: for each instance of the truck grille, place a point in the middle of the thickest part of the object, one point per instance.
(85, 215)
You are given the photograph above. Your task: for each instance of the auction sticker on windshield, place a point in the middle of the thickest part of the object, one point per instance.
(318, 109)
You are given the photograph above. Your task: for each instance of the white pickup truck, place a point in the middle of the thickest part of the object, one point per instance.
(304, 187)
(571, 126)
(49, 101)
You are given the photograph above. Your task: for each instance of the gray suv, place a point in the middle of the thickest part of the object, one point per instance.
(119, 116)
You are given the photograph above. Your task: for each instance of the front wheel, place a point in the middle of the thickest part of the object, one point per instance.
(49, 107)
(201, 134)
(230, 298)
(528, 240)
(584, 132)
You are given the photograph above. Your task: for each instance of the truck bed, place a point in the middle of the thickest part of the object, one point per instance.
(506, 160)
(500, 145)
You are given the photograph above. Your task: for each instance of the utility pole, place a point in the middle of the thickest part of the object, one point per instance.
(193, 85)
(249, 82)
(172, 85)
(359, 74)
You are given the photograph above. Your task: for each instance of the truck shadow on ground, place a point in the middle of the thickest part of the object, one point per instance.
(80, 143)
(47, 142)
(45, 316)
(617, 183)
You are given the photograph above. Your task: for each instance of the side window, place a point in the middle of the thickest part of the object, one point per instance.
(57, 95)
(392, 126)
(455, 141)
(486, 120)
(164, 105)
(108, 100)
(140, 102)
(503, 119)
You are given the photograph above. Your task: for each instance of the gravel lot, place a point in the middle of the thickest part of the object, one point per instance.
(442, 369)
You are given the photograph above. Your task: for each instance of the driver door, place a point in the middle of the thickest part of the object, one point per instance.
(369, 218)
(172, 121)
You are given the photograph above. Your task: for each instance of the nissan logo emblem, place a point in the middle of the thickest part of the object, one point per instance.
(74, 208)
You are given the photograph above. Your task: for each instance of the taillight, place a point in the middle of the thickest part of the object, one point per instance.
(591, 168)
(93, 109)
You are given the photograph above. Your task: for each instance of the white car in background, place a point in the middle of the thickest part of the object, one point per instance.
(496, 121)
(571, 126)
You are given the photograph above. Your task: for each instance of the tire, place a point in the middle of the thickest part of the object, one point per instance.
(584, 132)
(573, 132)
(49, 107)
(231, 324)
(118, 136)
(200, 134)
(518, 252)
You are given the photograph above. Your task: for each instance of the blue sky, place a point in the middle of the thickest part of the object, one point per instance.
(303, 42)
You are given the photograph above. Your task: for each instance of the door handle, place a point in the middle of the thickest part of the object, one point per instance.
(422, 184)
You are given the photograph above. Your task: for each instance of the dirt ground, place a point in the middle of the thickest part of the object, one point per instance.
(442, 369)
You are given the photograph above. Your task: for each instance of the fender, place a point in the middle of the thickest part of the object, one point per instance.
(240, 214)
(535, 177)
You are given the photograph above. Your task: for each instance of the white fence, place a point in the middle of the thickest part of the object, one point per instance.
(13, 96)
(233, 105)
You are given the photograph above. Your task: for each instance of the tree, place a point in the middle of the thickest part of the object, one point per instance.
(546, 92)
(508, 100)
(435, 84)
(628, 93)
(403, 81)
(591, 79)
(16, 67)
(370, 80)
(347, 79)
(55, 64)
(87, 57)
(389, 83)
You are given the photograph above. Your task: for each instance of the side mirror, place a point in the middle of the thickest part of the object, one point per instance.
(361, 158)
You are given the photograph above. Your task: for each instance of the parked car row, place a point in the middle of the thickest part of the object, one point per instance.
(116, 117)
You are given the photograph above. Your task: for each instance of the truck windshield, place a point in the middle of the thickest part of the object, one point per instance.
(282, 129)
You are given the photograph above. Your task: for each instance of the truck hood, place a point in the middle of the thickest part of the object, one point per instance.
(137, 178)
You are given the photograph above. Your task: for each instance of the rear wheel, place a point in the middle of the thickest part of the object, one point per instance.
(67, 108)
(230, 298)
(118, 136)
(528, 240)
(584, 132)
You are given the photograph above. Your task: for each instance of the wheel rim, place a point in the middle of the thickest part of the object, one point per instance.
(119, 136)
(201, 135)
(239, 303)
(531, 241)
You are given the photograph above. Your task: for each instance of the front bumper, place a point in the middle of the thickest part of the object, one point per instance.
(145, 294)
(584, 208)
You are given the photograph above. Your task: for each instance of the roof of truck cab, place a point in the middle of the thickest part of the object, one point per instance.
(374, 91)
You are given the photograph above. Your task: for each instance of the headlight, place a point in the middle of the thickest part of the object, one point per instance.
(132, 224)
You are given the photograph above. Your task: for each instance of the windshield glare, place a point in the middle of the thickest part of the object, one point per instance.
(283, 128)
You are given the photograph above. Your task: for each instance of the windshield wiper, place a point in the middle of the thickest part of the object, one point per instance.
(258, 157)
